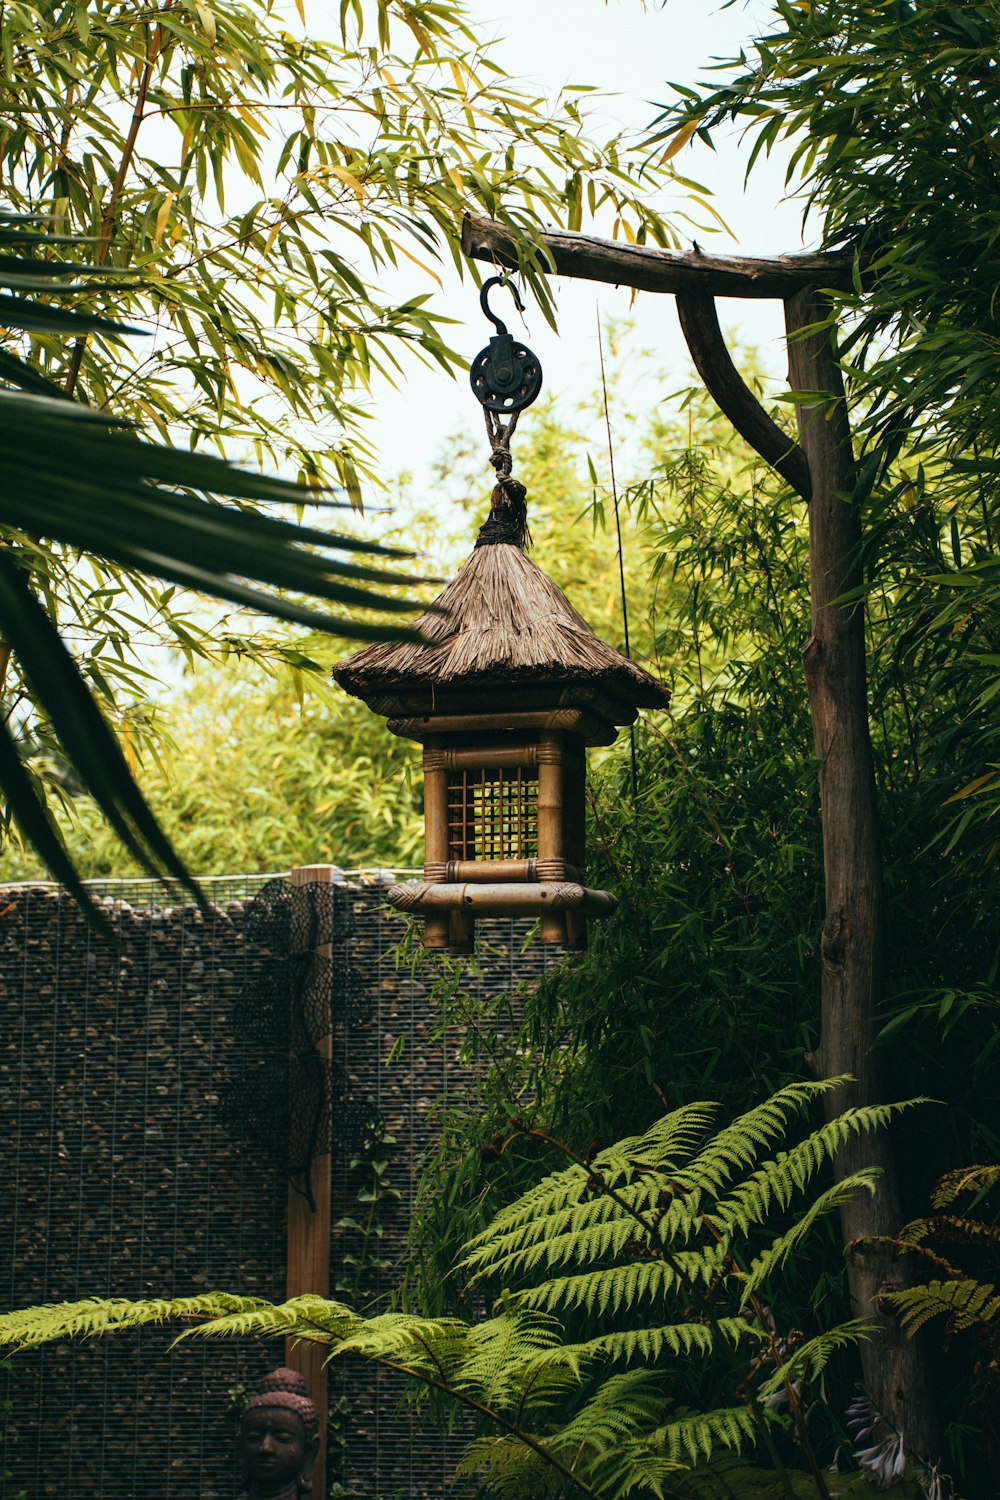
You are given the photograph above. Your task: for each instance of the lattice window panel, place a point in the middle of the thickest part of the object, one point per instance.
(492, 815)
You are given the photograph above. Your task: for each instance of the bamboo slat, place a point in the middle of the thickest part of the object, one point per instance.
(506, 899)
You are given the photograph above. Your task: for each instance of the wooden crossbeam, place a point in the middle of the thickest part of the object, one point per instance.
(650, 269)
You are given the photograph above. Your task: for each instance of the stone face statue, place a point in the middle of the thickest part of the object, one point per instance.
(279, 1438)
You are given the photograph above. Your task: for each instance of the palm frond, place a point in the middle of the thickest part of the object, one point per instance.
(79, 478)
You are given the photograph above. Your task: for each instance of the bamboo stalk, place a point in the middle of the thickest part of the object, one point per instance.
(518, 757)
(487, 871)
(435, 835)
(461, 932)
(575, 836)
(509, 899)
(552, 928)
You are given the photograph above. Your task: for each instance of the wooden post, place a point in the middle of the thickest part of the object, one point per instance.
(575, 834)
(852, 941)
(308, 1263)
(435, 834)
(552, 928)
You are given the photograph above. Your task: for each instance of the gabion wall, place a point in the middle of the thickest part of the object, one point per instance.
(128, 1171)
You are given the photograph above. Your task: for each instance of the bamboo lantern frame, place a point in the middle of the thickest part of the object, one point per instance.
(500, 833)
(505, 691)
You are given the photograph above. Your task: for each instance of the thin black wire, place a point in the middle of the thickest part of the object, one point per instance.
(621, 555)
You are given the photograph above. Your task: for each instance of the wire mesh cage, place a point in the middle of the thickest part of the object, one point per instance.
(130, 1169)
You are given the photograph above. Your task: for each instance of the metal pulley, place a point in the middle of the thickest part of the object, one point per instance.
(505, 376)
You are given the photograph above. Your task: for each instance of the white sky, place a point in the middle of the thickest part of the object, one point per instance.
(631, 52)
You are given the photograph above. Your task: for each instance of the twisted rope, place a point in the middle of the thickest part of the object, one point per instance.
(508, 517)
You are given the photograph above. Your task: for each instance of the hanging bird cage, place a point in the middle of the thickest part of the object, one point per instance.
(505, 690)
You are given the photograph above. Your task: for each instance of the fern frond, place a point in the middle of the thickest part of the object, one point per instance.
(622, 1164)
(511, 1469)
(953, 1229)
(692, 1438)
(93, 1316)
(809, 1360)
(778, 1252)
(635, 1468)
(963, 1180)
(597, 1242)
(620, 1406)
(302, 1317)
(632, 1284)
(668, 1141)
(737, 1146)
(601, 1444)
(558, 1190)
(650, 1344)
(776, 1182)
(581, 1230)
(966, 1303)
(648, 1227)
(500, 1361)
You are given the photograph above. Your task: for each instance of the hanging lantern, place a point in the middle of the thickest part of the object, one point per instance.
(505, 691)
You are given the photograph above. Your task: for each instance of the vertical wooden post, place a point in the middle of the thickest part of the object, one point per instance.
(308, 1262)
(435, 835)
(893, 1366)
(551, 844)
(574, 832)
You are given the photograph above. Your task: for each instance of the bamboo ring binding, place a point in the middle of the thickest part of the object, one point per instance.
(502, 899)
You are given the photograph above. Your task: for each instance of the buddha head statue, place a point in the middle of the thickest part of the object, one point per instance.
(279, 1438)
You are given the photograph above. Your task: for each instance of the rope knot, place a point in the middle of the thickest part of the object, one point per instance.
(502, 463)
(508, 517)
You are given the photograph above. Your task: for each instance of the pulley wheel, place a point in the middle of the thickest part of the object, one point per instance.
(513, 386)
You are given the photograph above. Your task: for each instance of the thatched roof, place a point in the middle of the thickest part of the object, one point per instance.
(503, 624)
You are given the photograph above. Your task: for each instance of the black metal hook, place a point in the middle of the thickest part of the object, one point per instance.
(498, 323)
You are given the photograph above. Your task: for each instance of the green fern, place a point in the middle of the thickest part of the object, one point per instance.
(615, 1278)
(969, 1304)
(964, 1300)
(966, 1303)
(964, 1180)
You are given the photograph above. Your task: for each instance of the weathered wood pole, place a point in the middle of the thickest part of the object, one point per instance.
(852, 938)
(308, 1233)
(435, 835)
(551, 852)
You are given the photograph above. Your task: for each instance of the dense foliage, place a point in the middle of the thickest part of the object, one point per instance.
(676, 1240)
(707, 979)
(889, 112)
(323, 777)
(242, 191)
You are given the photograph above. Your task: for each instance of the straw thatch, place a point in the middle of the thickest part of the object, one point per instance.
(503, 624)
